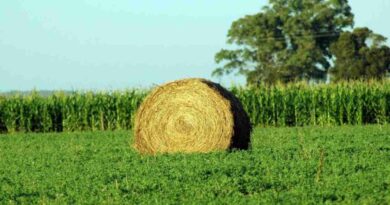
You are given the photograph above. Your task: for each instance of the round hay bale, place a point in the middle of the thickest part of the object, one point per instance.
(191, 115)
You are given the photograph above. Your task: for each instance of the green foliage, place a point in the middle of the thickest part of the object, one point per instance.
(311, 165)
(296, 104)
(76, 111)
(300, 104)
(288, 40)
(294, 40)
(360, 54)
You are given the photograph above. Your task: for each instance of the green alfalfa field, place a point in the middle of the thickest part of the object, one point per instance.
(297, 165)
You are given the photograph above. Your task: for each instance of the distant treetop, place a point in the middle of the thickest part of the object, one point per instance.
(291, 40)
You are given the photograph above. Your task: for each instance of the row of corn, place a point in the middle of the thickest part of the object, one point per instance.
(296, 104)
(299, 104)
(76, 111)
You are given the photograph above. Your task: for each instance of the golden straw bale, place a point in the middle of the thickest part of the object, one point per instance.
(191, 115)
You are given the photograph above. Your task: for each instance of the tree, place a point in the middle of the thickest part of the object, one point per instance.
(360, 54)
(288, 40)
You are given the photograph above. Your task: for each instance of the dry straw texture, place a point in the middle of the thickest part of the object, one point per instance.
(191, 115)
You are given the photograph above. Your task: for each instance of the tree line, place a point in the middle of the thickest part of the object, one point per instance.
(310, 40)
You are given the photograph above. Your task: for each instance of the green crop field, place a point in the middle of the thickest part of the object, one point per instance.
(300, 165)
(296, 104)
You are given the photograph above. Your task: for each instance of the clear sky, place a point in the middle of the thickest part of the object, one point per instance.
(102, 44)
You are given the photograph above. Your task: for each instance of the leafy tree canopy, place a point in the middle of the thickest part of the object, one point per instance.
(360, 54)
(290, 40)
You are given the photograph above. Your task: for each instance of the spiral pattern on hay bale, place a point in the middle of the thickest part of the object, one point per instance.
(191, 115)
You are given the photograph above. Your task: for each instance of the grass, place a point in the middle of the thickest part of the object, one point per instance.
(310, 165)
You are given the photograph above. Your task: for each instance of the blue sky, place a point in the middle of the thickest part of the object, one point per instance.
(104, 45)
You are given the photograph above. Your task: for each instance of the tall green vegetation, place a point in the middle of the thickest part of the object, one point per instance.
(77, 111)
(296, 104)
(299, 104)
(360, 54)
(294, 40)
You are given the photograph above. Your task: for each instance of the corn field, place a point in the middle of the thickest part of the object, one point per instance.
(77, 111)
(300, 104)
(296, 104)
